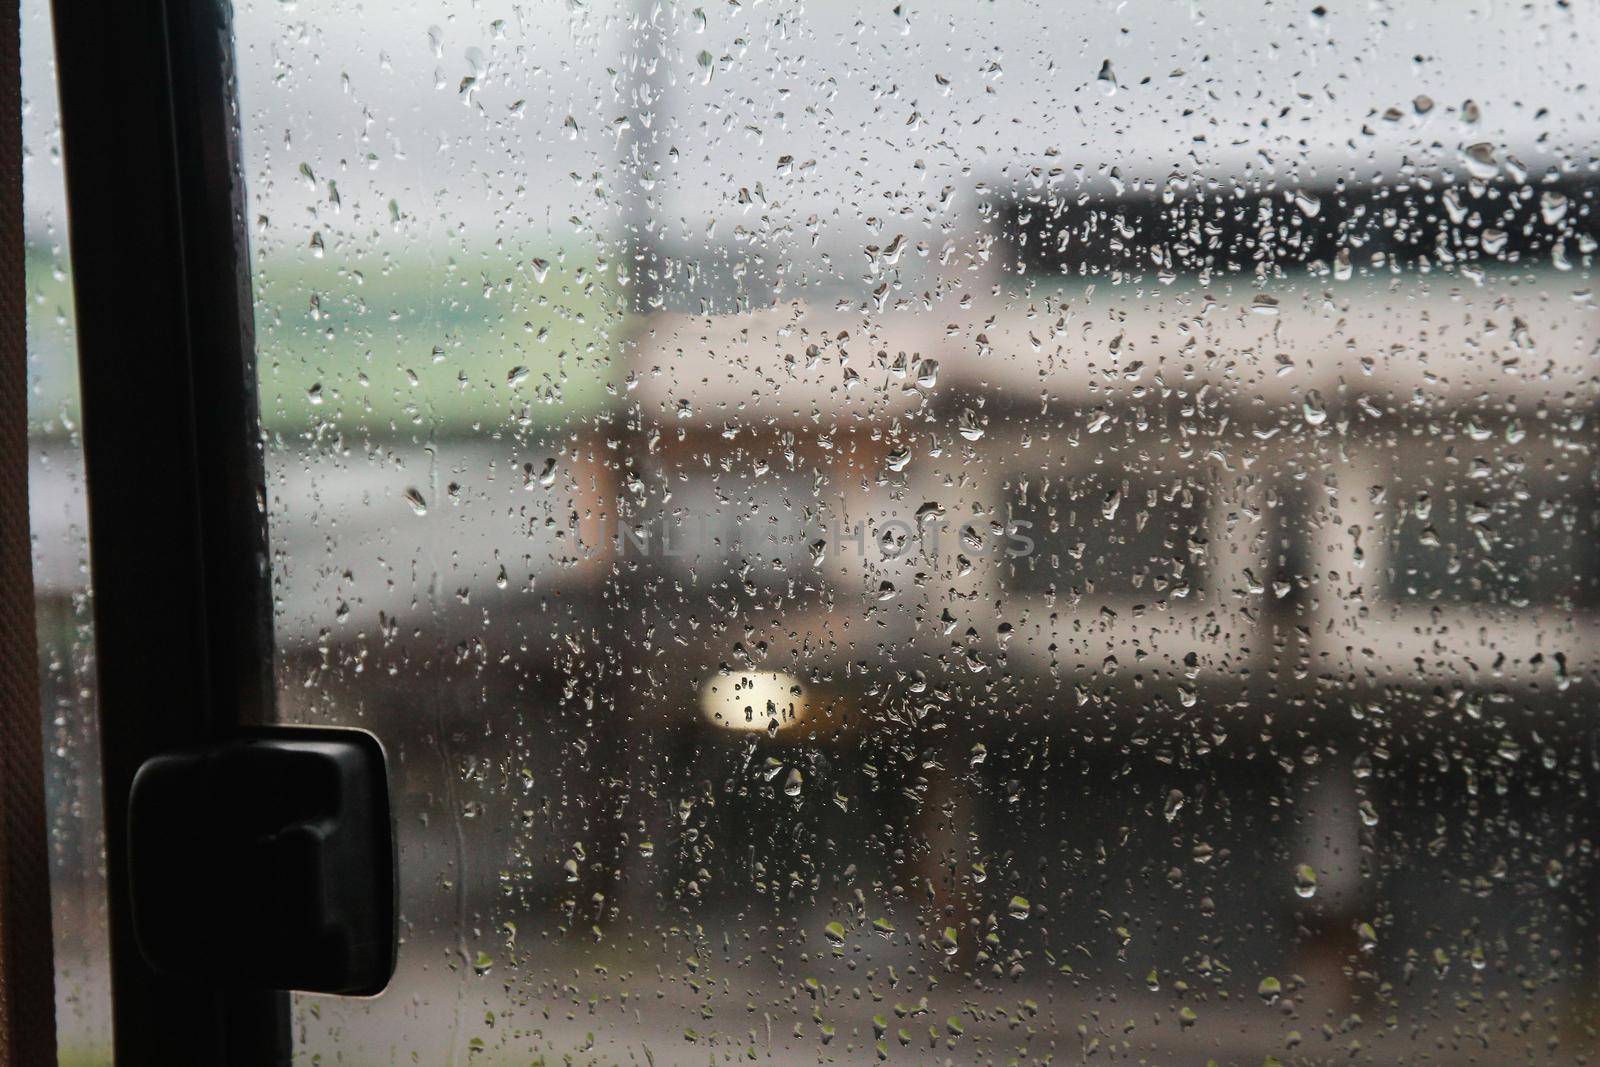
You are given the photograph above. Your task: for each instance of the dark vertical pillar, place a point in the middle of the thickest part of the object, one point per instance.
(177, 516)
(27, 989)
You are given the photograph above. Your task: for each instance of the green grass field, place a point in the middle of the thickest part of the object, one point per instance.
(452, 345)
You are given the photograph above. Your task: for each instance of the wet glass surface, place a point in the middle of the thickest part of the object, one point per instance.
(945, 532)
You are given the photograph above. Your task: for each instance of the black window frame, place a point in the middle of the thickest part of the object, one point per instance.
(173, 454)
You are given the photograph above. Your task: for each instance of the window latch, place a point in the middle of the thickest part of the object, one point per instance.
(266, 861)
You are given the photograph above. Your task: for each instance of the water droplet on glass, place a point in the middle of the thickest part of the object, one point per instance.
(1107, 78)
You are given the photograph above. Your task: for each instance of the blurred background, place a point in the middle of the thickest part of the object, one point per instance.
(937, 532)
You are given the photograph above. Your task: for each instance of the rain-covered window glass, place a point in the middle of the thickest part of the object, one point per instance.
(945, 531)
(58, 527)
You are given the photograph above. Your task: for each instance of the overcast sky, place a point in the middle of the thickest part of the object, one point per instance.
(500, 118)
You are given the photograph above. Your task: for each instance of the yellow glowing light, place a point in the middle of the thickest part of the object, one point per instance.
(755, 701)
